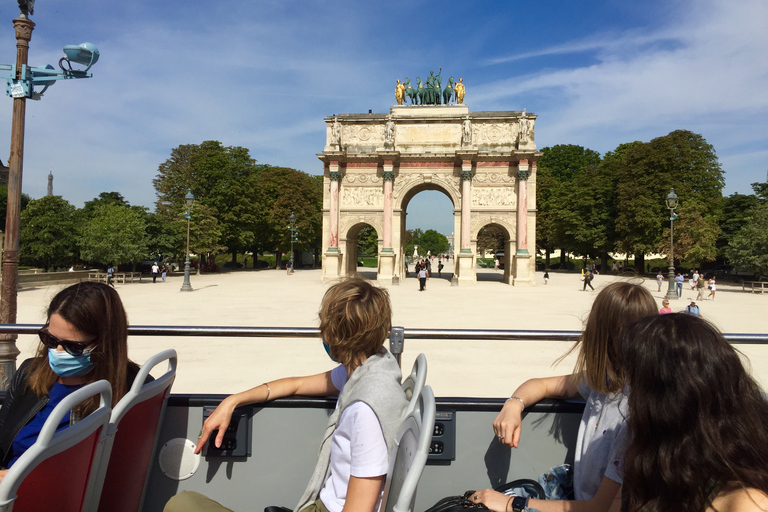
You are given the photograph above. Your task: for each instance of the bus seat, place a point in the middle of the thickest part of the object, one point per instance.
(414, 382)
(131, 440)
(409, 454)
(60, 463)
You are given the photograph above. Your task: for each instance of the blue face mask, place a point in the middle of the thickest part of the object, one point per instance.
(67, 365)
(328, 351)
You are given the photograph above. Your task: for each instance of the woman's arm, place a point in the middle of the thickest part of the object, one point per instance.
(607, 499)
(313, 385)
(362, 493)
(509, 421)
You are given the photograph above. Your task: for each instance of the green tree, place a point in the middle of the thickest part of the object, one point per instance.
(48, 231)
(737, 212)
(368, 242)
(4, 204)
(490, 239)
(222, 178)
(562, 179)
(683, 160)
(433, 242)
(748, 248)
(115, 234)
(280, 192)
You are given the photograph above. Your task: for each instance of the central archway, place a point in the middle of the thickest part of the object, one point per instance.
(455, 212)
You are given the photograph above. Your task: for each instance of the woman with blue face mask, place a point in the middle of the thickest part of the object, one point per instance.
(84, 340)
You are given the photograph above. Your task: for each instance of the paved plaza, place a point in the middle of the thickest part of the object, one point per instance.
(270, 298)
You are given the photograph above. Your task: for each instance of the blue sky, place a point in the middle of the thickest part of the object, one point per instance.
(264, 74)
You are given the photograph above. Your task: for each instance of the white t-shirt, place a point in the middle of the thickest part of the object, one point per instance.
(358, 449)
(601, 441)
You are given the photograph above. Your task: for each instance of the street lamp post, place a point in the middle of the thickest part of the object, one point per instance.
(188, 200)
(21, 82)
(294, 237)
(672, 204)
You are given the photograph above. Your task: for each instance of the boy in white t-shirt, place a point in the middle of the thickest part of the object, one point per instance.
(355, 320)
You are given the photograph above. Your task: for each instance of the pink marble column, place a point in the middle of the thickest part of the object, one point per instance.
(522, 206)
(466, 204)
(389, 179)
(335, 175)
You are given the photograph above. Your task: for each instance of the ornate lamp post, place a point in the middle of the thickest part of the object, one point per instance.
(294, 237)
(672, 204)
(21, 82)
(188, 200)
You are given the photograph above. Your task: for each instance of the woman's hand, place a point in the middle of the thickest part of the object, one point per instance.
(495, 501)
(509, 423)
(218, 420)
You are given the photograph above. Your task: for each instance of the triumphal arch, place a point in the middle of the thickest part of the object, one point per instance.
(374, 164)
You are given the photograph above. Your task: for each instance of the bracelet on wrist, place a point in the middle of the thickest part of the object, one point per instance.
(506, 508)
(518, 399)
(269, 391)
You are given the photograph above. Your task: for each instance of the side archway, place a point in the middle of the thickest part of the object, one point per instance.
(505, 245)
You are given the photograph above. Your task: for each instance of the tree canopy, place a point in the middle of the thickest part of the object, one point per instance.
(115, 234)
(48, 232)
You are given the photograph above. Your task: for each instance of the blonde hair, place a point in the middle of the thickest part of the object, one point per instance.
(355, 320)
(615, 307)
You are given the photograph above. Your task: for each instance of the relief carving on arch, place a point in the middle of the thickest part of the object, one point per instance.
(494, 133)
(360, 178)
(347, 222)
(493, 177)
(363, 134)
(362, 197)
(494, 196)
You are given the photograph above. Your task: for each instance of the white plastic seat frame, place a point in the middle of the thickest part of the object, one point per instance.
(414, 383)
(409, 454)
(139, 392)
(50, 443)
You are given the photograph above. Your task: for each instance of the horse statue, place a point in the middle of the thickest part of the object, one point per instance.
(421, 92)
(448, 91)
(410, 92)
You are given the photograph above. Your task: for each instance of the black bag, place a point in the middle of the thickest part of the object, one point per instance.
(463, 504)
(457, 504)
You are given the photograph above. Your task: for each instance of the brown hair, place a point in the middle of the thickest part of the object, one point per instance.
(355, 320)
(616, 306)
(696, 418)
(95, 310)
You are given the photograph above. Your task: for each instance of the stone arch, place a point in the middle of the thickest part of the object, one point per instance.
(502, 222)
(408, 186)
(349, 229)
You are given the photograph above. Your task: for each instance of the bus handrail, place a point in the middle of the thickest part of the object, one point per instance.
(413, 334)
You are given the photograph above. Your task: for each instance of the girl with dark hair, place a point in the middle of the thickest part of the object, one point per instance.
(599, 378)
(698, 423)
(83, 340)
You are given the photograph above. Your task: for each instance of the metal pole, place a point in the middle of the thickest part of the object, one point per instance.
(187, 287)
(8, 350)
(671, 293)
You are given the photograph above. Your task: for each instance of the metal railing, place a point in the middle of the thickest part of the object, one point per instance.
(313, 332)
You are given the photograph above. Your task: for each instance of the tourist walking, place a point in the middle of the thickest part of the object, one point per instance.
(659, 280)
(679, 280)
(111, 276)
(546, 277)
(155, 271)
(692, 309)
(665, 309)
(422, 275)
(164, 272)
(700, 287)
(694, 279)
(712, 288)
(588, 276)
